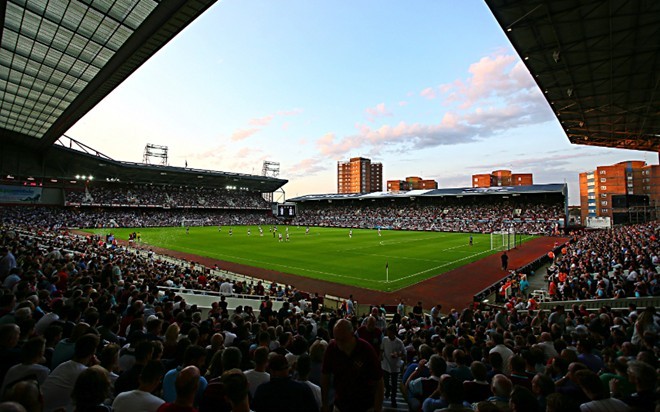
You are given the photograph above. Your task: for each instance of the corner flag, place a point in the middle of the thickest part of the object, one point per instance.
(387, 271)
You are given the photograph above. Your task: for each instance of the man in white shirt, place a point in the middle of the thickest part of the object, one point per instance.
(258, 375)
(59, 384)
(141, 398)
(500, 348)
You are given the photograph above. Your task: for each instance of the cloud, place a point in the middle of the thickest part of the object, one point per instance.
(498, 95)
(378, 111)
(403, 103)
(292, 112)
(501, 76)
(243, 134)
(429, 93)
(308, 167)
(261, 121)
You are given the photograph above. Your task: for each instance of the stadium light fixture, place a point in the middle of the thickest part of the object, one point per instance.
(90, 177)
(53, 180)
(30, 179)
(77, 177)
(83, 177)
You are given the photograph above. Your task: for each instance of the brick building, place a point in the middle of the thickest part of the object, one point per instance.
(359, 175)
(612, 189)
(502, 178)
(411, 183)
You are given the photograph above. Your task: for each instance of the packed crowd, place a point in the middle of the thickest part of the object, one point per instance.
(531, 218)
(69, 217)
(165, 196)
(89, 331)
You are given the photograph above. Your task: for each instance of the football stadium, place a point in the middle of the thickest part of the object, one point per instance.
(147, 286)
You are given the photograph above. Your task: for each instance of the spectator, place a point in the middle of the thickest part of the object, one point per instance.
(58, 386)
(91, 389)
(142, 398)
(186, 384)
(354, 389)
(282, 393)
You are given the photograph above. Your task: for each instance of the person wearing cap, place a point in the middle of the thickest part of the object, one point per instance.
(282, 393)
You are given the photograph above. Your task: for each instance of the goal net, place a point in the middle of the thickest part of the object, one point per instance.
(505, 239)
(194, 222)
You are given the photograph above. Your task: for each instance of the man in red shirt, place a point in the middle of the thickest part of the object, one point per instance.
(358, 377)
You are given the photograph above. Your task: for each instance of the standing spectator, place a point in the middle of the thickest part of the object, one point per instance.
(7, 262)
(282, 393)
(371, 334)
(358, 377)
(304, 367)
(392, 361)
(505, 260)
(142, 399)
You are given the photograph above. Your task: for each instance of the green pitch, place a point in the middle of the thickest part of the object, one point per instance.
(389, 262)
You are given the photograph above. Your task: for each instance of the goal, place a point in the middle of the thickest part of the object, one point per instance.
(194, 222)
(505, 239)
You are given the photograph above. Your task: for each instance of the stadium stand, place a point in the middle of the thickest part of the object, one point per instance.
(53, 280)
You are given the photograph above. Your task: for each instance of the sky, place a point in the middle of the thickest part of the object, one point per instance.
(429, 88)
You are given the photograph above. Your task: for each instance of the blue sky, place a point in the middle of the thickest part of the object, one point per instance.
(429, 88)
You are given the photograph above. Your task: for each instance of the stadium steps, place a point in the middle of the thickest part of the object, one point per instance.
(401, 405)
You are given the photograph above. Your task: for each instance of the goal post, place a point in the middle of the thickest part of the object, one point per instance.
(505, 239)
(194, 222)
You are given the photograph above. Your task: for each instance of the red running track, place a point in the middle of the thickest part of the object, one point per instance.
(453, 289)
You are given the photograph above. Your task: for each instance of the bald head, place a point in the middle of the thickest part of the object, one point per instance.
(343, 330)
(186, 383)
(11, 407)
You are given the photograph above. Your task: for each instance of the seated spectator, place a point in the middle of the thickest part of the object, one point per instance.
(237, 390)
(194, 356)
(58, 386)
(32, 357)
(142, 398)
(523, 400)
(644, 377)
(452, 390)
(91, 389)
(258, 375)
(418, 389)
(186, 384)
(596, 392)
(478, 389)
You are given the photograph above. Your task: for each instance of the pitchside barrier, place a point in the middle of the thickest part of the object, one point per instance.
(205, 298)
(490, 293)
(593, 305)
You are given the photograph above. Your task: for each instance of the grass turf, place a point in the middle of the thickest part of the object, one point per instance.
(395, 260)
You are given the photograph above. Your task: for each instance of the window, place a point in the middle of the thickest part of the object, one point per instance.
(605, 210)
(603, 203)
(603, 195)
(602, 172)
(603, 188)
(603, 179)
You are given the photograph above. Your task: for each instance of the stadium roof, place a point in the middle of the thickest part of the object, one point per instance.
(59, 58)
(557, 188)
(597, 63)
(68, 163)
